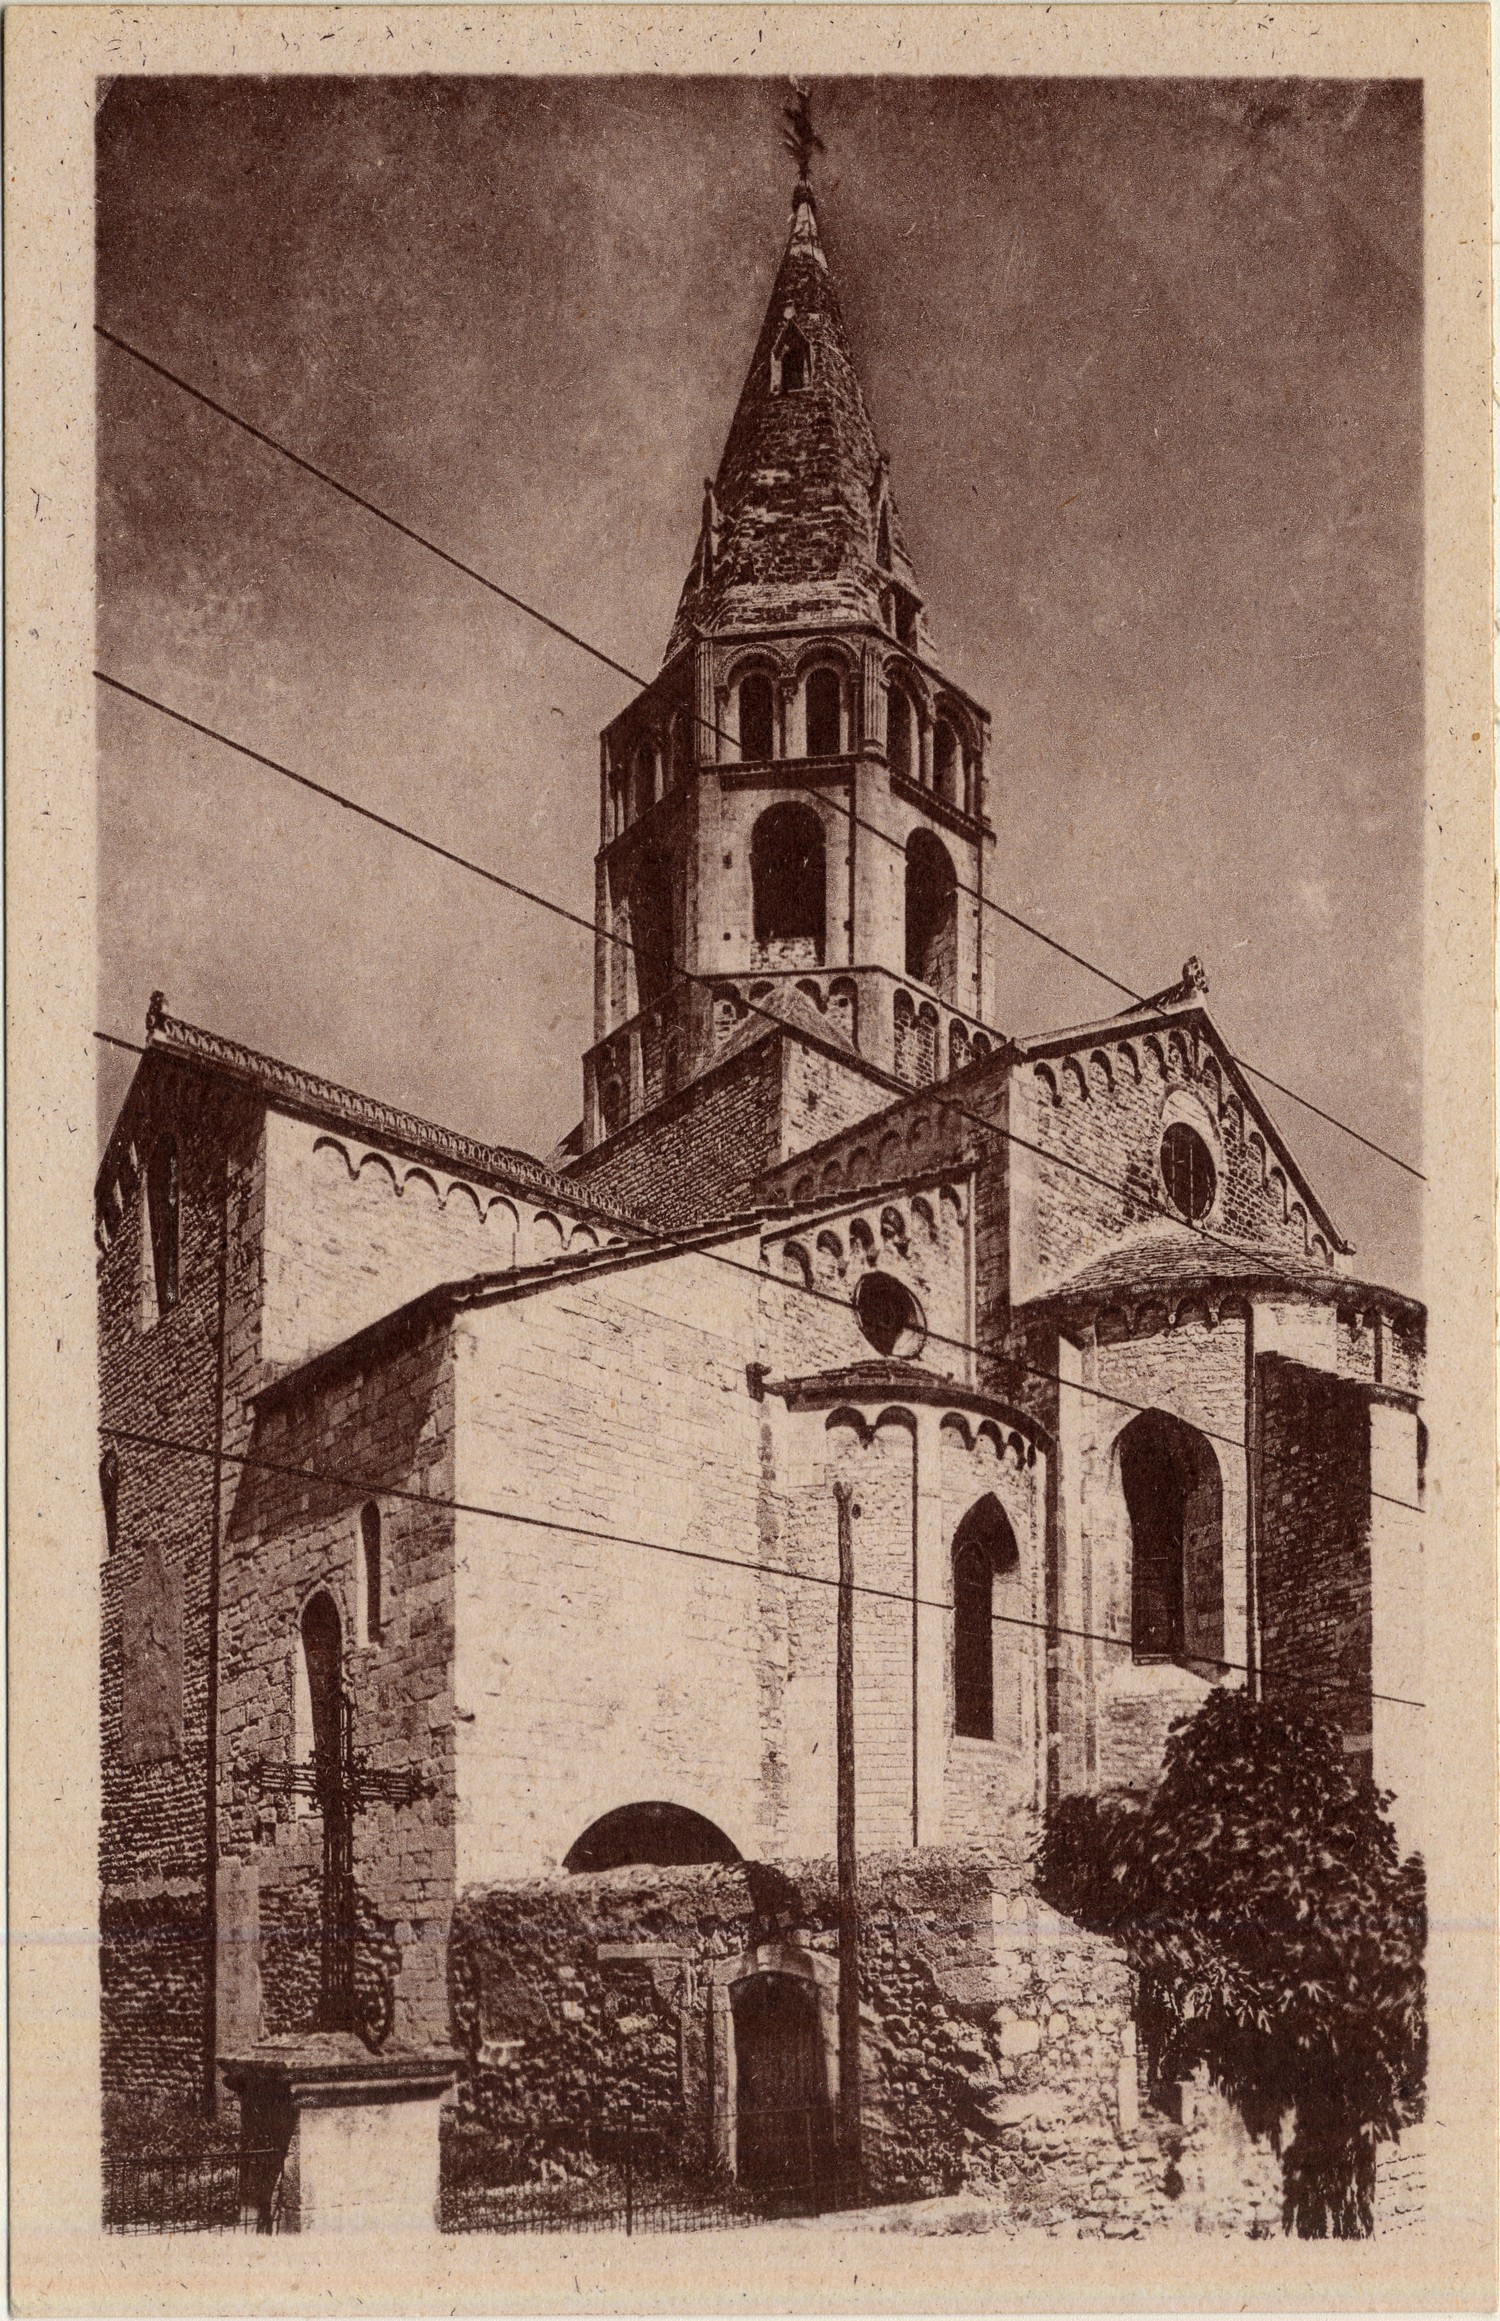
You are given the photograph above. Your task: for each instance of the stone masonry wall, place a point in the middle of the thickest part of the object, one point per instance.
(353, 1232)
(388, 1428)
(997, 2050)
(1104, 1109)
(917, 1234)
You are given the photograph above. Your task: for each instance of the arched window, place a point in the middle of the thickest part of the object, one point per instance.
(671, 1836)
(1174, 1496)
(757, 717)
(793, 361)
(369, 1552)
(983, 1545)
(947, 763)
(824, 700)
(651, 926)
(900, 732)
(161, 1207)
(320, 1690)
(931, 914)
(788, 882)
(612, 1107)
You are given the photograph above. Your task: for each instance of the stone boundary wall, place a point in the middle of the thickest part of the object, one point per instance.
(998, 2049)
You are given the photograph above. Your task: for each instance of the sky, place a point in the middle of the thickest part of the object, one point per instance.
(1147, 360)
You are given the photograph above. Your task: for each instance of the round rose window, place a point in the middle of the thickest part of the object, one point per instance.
(1187, 1170)
(889, 1315)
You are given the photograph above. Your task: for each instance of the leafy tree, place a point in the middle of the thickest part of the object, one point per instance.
(1276, 1937)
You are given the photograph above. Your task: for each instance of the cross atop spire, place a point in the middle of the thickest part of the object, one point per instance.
(799, 136)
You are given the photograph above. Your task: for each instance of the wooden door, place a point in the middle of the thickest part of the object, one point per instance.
(784, 2124)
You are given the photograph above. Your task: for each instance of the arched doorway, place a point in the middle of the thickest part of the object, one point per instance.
(783, 2117)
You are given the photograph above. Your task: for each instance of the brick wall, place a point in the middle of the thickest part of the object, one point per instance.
(697, 1155)
(159, 1376)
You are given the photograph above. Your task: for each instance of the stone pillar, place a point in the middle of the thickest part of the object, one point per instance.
(705, 746)
(352, 2136)
(788, 739)
(872, 733)
(924, 749)
(1066, 1741)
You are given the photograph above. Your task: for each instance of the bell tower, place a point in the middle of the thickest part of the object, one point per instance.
(793, 816)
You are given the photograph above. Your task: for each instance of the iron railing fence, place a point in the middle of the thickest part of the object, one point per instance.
(556, 2176)
(197, 2192)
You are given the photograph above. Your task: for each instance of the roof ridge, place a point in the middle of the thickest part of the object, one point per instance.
(170, 1035)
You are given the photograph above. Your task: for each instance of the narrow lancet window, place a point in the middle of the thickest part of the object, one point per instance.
(371, 1573)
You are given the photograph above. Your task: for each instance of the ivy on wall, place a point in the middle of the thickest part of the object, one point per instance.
(1276, 1937)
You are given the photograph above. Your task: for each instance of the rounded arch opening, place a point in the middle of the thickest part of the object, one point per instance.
(1174, 1498)
(931, 914)
(320, 1691)
(651, 925)
(788, 878)
(984, 1545)
(823, 698)
(757, 712)
(889, 1315)
(657, 1833)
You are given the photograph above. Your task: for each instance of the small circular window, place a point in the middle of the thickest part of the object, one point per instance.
(1187, 1169)
(889, 1315)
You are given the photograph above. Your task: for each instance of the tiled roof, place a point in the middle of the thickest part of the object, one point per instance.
(383, 1124)
(1166, 1257)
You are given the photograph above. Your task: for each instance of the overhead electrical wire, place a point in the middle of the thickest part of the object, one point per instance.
(365, 1487)
(940, 1091)
(688, 1239)
(607, 660)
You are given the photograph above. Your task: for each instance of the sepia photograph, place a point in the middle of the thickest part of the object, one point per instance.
(763, 1129)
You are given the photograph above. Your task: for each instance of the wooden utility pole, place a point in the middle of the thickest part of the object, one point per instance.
(850, 2121)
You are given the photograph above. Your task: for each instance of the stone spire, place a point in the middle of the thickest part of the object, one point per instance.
(801, 527)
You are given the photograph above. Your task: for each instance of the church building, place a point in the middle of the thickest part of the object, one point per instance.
(493, 1543)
